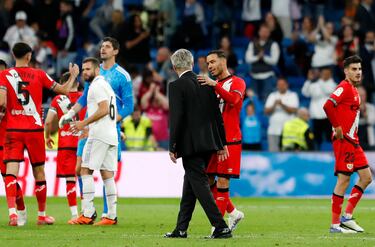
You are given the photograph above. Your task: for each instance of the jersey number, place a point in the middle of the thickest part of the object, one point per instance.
(111, 110)
(21, 91)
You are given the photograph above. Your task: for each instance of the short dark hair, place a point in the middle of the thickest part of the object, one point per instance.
(352, 59)
(2, 62)
(219, 53)
(113, 41)
(20, 49)
(92, 60)
(64, 77)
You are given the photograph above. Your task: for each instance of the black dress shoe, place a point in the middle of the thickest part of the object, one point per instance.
(176, 234)
(221, 233)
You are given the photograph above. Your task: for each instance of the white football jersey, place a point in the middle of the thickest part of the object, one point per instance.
(105, 128)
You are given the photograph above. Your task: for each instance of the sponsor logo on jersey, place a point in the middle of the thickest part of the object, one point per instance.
(349, 166)
(338, 91)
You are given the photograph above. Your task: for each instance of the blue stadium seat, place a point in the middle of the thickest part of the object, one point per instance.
(326, 146)
(240, 42)
(296, 81)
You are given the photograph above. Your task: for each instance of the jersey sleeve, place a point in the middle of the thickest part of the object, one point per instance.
(339, 94)
(126, 94)
(236, 92)
(83, 99)
(47, 81)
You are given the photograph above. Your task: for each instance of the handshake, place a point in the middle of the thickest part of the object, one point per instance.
(67, 118)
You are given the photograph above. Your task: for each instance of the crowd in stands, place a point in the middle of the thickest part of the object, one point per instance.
(289, 52)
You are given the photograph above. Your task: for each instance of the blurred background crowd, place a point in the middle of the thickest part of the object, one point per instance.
(289, 52)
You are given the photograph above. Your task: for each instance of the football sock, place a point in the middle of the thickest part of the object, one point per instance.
(213, 188)
(11, 192)
(41, 196)
(71, 193)
(354, 198)
(88, 195)
(80, 185)
(19, 198)
(230, 206)
(111, 195)
(222, 199)
(337, 201)
(105, 206)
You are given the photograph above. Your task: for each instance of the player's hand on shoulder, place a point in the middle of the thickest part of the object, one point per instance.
(205, 80)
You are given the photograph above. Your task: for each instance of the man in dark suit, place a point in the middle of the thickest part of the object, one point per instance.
(196, 132)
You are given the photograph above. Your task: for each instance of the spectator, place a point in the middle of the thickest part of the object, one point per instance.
(148, 81)
(5, 54)
(136, 81)
(138, 132)
(262, 54)
(281, 105)
(202, 66)
(102, 19)
(281, 9)
(137, 43)
(192, 31)
(319, 90)
(275, 28)
(367, 53)
(297, 135)
(347, 46)
(251, 130)
(325, 43)
(117, 24)
(366, 121)
(162, 67)
(251, 16)
(252, 98)
(20, 32)
(155, 106)
(168, 20)
(225, 45)
(365, 18)
(3, 65)
(66, 37)
(47, 12)
(300, 47)
(5, 16)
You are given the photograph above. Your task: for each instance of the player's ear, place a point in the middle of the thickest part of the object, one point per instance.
(115, 52)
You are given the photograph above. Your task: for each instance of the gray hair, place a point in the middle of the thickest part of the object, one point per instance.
(182, 59)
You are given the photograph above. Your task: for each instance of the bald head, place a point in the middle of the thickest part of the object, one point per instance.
(303, 113)
(163, 54)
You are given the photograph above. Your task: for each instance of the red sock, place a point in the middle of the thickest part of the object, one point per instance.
(71, 193)
(214, 190)
(336, 208)
(222, 199)
(41, 195)
(11, 190)
(230, 206)
(19, 198)
(354, 198)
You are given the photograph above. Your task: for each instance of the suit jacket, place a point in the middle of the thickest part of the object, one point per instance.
(195, 120)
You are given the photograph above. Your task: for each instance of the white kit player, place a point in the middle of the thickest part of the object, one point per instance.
(100, 151)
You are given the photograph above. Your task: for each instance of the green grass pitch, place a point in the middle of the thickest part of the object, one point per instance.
(142, 222)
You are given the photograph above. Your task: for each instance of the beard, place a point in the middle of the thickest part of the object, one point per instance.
(90, 78)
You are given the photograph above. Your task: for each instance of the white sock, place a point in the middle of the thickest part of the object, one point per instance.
(348, 216)
(111, 194)
(41, 213)
(74, 211)
(335, 225)
(12, 211)
(234, 212)
(88, 193)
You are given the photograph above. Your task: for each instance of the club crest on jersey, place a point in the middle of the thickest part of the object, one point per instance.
(338, 91)
(349, 166)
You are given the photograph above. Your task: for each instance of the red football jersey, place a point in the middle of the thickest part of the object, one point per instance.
(61, 105)
(24, 87)
(347, 101)
(231, 91)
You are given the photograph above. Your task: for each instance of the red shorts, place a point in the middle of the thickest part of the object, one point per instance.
(66, 163)
(230, 167)
(349, 157)
(3, 167)
(16, 142)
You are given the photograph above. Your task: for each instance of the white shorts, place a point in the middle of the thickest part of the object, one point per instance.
(98, 155)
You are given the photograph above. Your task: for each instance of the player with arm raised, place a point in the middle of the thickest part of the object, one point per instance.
(342, 109)
(120, 82)
(67, 144)
(21, 91)
(230, 90)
